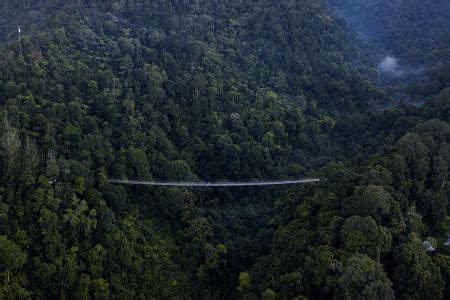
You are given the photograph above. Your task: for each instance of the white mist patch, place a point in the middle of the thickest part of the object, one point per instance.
(390, 66)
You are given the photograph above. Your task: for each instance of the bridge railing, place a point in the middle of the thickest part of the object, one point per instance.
(215, 183)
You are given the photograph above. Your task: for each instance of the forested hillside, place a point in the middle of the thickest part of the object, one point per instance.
(413, 34)
(213, 90)
(408, 28)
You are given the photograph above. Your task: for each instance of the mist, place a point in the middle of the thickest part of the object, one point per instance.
(390, 66)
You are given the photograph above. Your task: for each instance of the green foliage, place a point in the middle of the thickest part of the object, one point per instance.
(244, 284)
(373, 201)
(218, 90)
(416, 277)
(363, 278)
(12, 259)
(362, 235)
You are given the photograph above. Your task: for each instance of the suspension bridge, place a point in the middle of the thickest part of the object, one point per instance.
(214, 183)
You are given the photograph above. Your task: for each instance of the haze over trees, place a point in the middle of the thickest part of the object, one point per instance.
(223, 90)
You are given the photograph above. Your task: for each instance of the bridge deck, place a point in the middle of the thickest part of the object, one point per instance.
(214, 184)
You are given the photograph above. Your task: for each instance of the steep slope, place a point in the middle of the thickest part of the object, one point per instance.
(361, 233)
(410, 38)
(177, 90)
(164, 90)
(406, 28)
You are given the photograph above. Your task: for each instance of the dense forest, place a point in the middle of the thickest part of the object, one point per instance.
(224, 90)
(414, 34)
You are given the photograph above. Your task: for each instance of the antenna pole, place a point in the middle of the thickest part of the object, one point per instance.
(20, 40)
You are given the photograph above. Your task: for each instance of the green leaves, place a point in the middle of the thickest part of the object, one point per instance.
(11, 256)
(371, 201)
(362, 235)
(183, 90)
(80, 218)
(12, 259)
(415, 275)
(363, 278)
(322, 266)
(245, 283)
